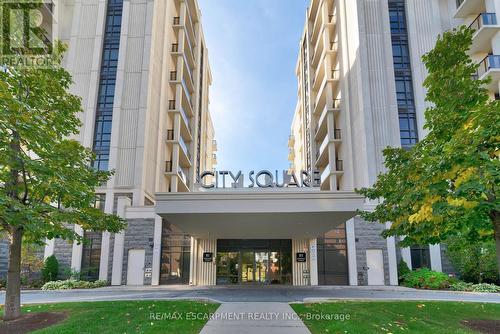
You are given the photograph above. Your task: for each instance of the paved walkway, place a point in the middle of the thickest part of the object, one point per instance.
(257, 317)
(284, 294)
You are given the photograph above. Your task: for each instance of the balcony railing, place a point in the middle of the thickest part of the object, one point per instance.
(336, 103)
(173, 75)
(335, 74)
(488, 63)
(170, 134)
(184, 147)
(337, 134)
(484, 19)
(182, 175)
(168, 166)
(339, 165)
(171, 105)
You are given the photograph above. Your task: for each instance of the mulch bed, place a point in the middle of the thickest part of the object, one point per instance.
(483, 326)
(30, 322)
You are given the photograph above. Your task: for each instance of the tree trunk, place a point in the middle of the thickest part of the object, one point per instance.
(496, 225)
(13, 293)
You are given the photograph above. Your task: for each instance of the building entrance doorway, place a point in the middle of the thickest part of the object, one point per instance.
(269, 262)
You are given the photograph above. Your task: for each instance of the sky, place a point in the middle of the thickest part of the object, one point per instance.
(253, 48)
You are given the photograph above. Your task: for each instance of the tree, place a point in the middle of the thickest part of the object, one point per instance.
(447, 184)
(50, 269)
(47, 182)
(474, 261)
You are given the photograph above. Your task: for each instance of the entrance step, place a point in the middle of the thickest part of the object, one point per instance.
(249, 318)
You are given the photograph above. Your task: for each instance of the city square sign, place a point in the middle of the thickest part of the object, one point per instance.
(260, 179)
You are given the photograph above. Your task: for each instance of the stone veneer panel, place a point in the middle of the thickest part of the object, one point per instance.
(368, 237)
(139, 234)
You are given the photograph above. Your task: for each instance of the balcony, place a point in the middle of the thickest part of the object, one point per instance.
(214, 159)
(183, 185)
(469, 7)
(291, 154)
(291, 141)
(485, 26)
(322, 152)
(185, 126)
(184, 22)
(490, 67)
(184, 156)
(330, 84)
(214, 145)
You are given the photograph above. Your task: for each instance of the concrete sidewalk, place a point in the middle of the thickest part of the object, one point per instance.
(256, 317)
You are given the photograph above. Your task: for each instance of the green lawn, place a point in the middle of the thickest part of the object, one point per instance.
(127, 317)
(395, 317)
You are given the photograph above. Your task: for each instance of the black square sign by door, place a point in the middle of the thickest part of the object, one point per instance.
(208, 257)
(300, 257)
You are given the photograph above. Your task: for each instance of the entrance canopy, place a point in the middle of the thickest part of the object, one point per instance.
(257, 214)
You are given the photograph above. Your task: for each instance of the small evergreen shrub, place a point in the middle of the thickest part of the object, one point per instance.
(403, 270)
(73, 284)
(50, 269)
(425, 278)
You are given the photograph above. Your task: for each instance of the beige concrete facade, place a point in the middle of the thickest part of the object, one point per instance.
(161, 133)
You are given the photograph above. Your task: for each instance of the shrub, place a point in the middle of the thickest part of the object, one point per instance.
(403, 270)
(50, 269)
(73, 284)
(425, 278)
(475, 262)
(3, 284)
(482, 287)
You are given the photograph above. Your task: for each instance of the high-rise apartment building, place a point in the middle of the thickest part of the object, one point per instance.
(141, 68)
(360, 89)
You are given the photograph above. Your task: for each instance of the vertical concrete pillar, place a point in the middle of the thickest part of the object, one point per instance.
(351, 252)
(298, 268)
(191, 263)
(49, 248)
(77, 252)
(206, 270)
(391, 252)
(313, 261)
(117, 269)
(105, 242)
(155, 275)
(406, 256)
(435, 255)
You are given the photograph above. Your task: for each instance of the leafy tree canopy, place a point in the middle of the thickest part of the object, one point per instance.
(447, 184)
(46, 179)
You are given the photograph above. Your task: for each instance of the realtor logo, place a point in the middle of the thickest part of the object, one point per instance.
(28, 30)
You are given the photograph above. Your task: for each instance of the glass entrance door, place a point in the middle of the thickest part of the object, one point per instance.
(247, 267)
(254, 262)
(261, 267)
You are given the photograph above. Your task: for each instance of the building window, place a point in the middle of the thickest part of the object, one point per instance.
(402, 72)
(175, 255)
(91, 252)
(332, 257)
(107, 82)
(420, 257)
